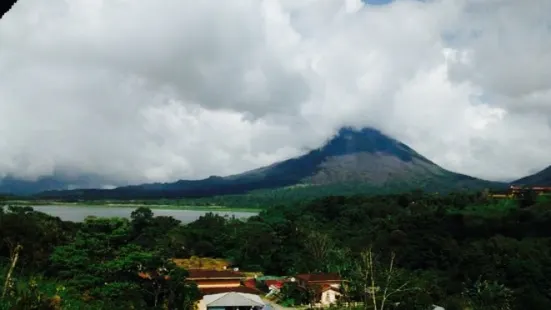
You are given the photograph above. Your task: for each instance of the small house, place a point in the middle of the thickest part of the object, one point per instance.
(326, 286)
(271, 284)
(274, 286)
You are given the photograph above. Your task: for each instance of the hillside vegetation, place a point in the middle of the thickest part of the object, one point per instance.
(460, 251)
(261, 199)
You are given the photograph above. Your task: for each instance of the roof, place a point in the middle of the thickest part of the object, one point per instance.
(320, 277)
(251, 283)
(239, 289)
(233, 299)
(326, 287)
(213, 274)
(275, 283)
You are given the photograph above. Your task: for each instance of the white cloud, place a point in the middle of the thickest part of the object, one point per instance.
(141, 91)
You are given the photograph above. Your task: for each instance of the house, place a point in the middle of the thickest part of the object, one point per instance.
(331, 279)
(250, 282)
(219, 281)
(326, 286)
(215, 278)
(231, 301)
(274, 286)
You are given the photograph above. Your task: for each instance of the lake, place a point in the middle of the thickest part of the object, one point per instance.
(78, 214)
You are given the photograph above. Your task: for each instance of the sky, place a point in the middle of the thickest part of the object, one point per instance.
(147, 90)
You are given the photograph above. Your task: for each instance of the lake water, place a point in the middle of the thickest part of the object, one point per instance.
(78, 214)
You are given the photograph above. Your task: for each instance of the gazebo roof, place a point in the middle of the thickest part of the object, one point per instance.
(233, 299)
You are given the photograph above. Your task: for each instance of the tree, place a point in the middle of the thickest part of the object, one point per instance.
(152, 232)
(318, 246)
(36, 232)
(14, 259)
(101, 263)
(252, 245)
(168, 286)
(29, 296)
(527, 197)
(378, 286)
(179, 293)
(291, 295)
(483, 294)
(141, 218)
(340, 261)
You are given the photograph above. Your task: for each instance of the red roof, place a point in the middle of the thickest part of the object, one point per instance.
(238, 289)
(275, 283)
(250, 283)
(214, 274)
(320, 277)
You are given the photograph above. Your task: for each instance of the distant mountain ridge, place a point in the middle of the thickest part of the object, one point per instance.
(541, 178)
(364, 156)
(11, 185)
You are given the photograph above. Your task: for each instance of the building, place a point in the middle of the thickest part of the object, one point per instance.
(215, 278)
(231, 301)
(331, 279)
(326, 286)
(515, 191)
(219, 281)
(274, 286)
(271, 285)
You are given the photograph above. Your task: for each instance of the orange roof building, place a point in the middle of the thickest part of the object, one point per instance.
(219, 281)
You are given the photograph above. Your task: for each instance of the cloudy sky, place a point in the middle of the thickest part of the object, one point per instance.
(149, 90)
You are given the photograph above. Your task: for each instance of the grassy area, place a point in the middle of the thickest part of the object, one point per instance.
(488, 210)
(133, 205)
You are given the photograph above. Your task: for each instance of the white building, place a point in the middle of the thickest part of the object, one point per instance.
(231, 301)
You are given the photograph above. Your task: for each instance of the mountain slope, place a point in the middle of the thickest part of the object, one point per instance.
(542, 178)
(353, 156)
(11, 185)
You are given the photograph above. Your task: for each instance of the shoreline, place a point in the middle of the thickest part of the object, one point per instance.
(132, 206)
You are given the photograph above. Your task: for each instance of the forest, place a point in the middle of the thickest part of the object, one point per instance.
(253, 199)
(407, 251)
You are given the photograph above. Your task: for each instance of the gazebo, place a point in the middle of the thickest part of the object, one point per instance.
(231, 301)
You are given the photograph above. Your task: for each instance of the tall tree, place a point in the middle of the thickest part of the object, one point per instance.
(101, 263)
(379, 285)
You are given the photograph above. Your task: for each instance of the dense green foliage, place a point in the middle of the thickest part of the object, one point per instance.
(460, 251)
(258, 194)
(259, 199)
(91, 265)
